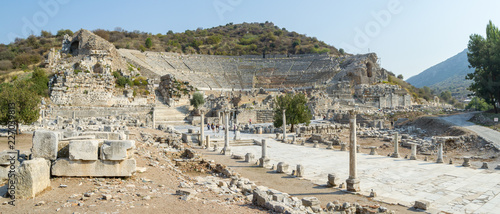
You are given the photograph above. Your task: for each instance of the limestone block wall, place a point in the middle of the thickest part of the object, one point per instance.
(74, 112)
(90, 154)
(246, 115)
(264, 116)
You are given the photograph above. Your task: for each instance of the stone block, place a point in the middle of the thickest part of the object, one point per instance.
(422, 204)
(103, 135)
(99, 168)
(32, 178)
(249, 158)
(83, 149)
(310, 201)
(186, 194)
(116, 150)
(5, 158)
(70, 133)
(333, 180)
(107, 128)
(260, 197)
(45, 144)
(282, 167)
(190, 138)
(300, 170)
(4, 173)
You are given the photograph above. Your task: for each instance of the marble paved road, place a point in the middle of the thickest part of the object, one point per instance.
(450, 188)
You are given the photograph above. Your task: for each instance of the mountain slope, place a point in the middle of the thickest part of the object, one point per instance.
(447, 75)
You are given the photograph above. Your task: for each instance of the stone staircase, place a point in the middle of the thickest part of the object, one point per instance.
(166, 115)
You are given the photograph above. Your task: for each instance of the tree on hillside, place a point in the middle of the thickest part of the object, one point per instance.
(484, 56)
(400, 76)
(26, 103)
(149, 43)
(445, 96)
(295, 108)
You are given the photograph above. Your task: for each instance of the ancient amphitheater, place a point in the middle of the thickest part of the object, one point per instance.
(250, 72)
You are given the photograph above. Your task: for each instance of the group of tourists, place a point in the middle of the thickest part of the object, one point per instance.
(214, 127)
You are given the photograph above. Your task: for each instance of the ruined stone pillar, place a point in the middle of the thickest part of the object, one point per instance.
(227, 150)
(208, 141)
(413, 151)
(352, 181)
(264, 148)
(466, 162)
(396, 146)
(202, 128)
(284, 126)
(440, 152)
(264, 161)
(154, 118)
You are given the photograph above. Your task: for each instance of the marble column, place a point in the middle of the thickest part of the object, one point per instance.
(396, 146)
(352, 181)
(227, 150)
(202, 128)
(284, 126)
(207, 141)
(413, 151)
(264, 161)
(264, 148)
(440, 152)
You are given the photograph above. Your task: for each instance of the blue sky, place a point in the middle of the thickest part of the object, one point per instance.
(408, 36)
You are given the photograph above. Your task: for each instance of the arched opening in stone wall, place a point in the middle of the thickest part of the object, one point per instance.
(98, 68)
(369, 67)
(74, 48)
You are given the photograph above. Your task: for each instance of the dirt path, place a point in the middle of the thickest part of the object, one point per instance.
(486, 133)
(295, 186)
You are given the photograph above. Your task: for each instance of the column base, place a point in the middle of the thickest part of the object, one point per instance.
(413, 157)
(264, 162)
(353, 185)
(439, 160)
(395, 155)
(226, 151)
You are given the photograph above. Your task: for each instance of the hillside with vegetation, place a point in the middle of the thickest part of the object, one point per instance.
(230, 39)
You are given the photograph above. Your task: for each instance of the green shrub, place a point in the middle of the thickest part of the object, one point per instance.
(121, 81)
(77, 71)
(479, 104)
(26, 59)
(197, 100)
(5, 65)
(148, 43)
(40, 82)
(116, 74)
